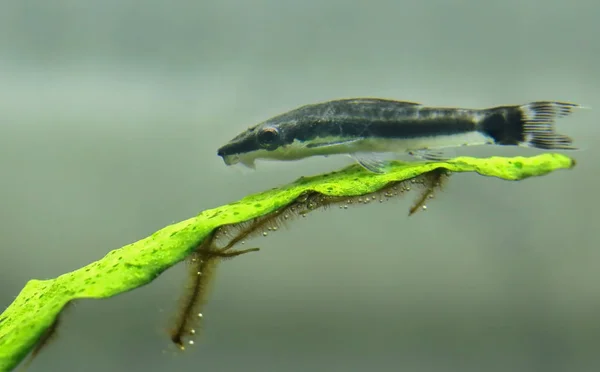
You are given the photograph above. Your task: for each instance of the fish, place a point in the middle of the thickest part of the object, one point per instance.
(365, 128)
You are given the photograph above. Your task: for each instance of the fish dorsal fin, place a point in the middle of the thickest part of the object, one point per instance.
(380, 100)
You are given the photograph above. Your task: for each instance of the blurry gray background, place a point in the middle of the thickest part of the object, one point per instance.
(110, 116)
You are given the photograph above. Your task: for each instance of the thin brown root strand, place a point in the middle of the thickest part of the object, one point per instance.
(47, 337)
(231, 254)
(431, 181)
(252, 227)
(205, 246)
(270, 222)
(201, 272)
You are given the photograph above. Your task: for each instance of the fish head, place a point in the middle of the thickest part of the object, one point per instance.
(297, 134)
(262, 141)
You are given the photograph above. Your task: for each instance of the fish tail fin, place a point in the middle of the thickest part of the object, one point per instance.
(529, 125)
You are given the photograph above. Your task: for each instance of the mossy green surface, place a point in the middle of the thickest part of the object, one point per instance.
(137, 264)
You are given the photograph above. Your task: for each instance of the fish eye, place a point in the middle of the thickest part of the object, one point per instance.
(268, 137)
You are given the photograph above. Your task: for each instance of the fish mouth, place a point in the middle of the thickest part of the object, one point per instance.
(230, 159)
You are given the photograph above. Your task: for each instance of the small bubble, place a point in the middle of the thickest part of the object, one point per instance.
(192, 331)
(285, 216)
(243, 242)
(303, 214)
(430, 196)
(424, 207)
(199, 273)
(345, 206)
(265, 233)
(191, 342)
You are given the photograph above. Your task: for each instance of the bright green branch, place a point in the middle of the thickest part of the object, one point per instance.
(137, 264)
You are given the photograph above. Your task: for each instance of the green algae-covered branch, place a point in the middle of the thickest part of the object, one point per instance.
(204, 240)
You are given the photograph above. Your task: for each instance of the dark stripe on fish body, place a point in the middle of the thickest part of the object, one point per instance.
(389, 124)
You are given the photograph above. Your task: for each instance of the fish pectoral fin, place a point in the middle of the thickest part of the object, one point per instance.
(433, 155)
(315, 145)
(248, 163)
(370, 162)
